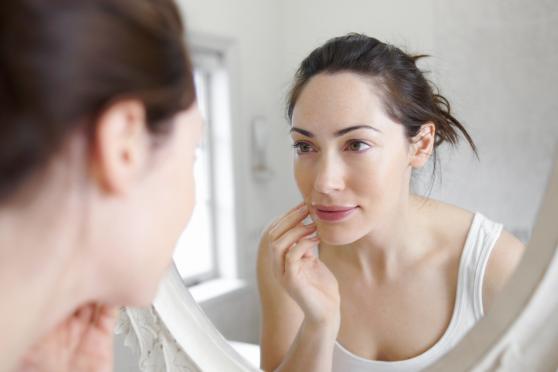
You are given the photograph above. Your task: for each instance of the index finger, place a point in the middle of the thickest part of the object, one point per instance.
(289, 221)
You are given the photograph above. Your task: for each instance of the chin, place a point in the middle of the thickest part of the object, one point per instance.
(337, 235)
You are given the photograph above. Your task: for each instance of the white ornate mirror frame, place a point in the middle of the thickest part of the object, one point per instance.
(519, 333)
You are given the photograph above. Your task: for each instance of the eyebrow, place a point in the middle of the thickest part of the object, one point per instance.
(339, 133)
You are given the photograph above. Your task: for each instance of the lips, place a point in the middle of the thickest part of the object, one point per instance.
(333, 213)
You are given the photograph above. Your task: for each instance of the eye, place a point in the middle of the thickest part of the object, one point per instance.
(303, 147)
(357, 146)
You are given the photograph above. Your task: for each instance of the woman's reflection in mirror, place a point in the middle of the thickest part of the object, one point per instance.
(382, 279)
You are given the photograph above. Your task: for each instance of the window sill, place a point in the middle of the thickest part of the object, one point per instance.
(215, 289)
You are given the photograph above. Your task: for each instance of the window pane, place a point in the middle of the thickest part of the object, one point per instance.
(194, 251)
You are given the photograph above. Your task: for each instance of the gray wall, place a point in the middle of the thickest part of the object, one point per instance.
(498, 61)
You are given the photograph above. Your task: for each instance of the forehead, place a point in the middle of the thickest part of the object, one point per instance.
(332, 101)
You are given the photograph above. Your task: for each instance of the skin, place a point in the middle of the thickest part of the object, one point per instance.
(399, 249)
(92, 231)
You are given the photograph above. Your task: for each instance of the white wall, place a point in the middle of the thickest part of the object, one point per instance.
(494, 60)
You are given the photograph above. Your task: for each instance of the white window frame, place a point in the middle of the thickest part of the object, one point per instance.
(211, 57)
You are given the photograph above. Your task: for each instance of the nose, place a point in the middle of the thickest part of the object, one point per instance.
(329, 176)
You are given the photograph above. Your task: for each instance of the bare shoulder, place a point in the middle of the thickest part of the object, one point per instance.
(448, 211)
(453, 223)
(449, 223)
(504, 258)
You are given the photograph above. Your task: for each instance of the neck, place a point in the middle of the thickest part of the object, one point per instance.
(391, 247)
(37, 250)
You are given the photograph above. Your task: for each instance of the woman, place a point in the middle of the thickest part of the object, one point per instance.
(98, 128)
(397, 279)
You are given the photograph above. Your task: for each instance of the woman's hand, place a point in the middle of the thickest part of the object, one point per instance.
(305, 278)
(82, 343)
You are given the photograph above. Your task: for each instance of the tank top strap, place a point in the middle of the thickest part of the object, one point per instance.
(482, 237)
(489, 233)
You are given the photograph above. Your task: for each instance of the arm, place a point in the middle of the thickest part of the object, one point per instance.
(294, 339)
(312, 349)
(503, 261)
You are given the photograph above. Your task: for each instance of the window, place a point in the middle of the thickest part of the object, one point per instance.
(206, 249)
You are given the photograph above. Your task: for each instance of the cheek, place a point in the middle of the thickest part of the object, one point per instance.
(303, 176)
(380, 179)
(183, 185)
(365, 174)
(174, 194)
(162, 210)
(188, 193)
(188, 130)
(395, 171)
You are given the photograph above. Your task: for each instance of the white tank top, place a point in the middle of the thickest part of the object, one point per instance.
(468, 308)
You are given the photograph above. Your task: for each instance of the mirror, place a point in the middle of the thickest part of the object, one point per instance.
(491, 62)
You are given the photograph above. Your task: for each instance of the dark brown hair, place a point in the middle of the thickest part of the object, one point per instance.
(62, 62)
(408, 97)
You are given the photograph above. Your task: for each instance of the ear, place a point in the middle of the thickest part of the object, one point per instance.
(121, 145)
(422, 145)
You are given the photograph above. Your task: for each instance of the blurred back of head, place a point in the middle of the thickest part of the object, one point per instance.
(62, 62)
